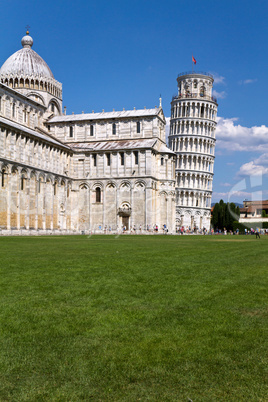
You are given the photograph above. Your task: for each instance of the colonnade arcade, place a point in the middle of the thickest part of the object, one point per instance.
(40, 84)
(31, 199)
(193, 109)
(195, 162)
(116, 203)
(34, 200)
(192, 144)
(193, 199)
(194, 181)
(192, 217)
(189, 127)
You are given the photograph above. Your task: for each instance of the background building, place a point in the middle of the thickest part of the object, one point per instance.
(87, 172)
(254, 212)
(192, 138)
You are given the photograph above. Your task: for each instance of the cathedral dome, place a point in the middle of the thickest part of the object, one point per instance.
(26, 62)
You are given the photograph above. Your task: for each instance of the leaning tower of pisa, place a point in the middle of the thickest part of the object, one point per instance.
(192, 137)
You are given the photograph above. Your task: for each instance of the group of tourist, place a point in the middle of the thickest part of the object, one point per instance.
(180, 230)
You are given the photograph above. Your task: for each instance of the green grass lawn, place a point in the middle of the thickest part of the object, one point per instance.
(149, 318)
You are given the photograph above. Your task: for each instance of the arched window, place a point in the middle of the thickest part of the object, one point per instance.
(203, 91)
(22, 183)
(3, 177)
(162, 161)
(136, 154)
(114, 129)
(98, 194)
(94, 159)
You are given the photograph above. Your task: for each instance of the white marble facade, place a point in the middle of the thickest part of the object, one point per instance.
(192, 138)
(87, 173)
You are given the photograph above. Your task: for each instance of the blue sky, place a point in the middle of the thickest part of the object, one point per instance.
(124, 54)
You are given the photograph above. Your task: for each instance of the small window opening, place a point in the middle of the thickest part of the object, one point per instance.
(71, 131)
(138, 127)
(162, 161)
(3, 178)
(98, 194)
(202, 91)
(22, 183)
(136, 153)
(122, 156)
(108, 159)
(95, 160)
(114, 129)
(91, 130)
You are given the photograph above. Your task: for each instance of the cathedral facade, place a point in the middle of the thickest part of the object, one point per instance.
(89, 173)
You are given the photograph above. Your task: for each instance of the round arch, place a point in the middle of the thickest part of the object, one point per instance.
(36, 94)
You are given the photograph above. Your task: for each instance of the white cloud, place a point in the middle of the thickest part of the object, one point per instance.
(248, 81)
(216, 195)
(218, 79)
(219, 95)
(251, 168)
(263, 159)
(258, 166)
(234, 196)
(244, 194)
(233, 137)
(225, 184)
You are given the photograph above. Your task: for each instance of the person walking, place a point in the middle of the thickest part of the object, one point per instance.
(257, 232)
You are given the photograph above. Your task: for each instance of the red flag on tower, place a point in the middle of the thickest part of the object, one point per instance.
(193, 59)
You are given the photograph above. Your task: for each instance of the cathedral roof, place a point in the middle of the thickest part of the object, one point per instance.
(26, 62)
(114, 145)
(23, 129)
(106, 115)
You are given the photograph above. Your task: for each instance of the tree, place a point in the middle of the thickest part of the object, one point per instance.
(224, 215)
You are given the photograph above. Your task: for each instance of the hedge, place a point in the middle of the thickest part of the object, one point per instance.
(254, 225)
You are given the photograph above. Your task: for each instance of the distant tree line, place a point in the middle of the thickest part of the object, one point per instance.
(224, 215)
